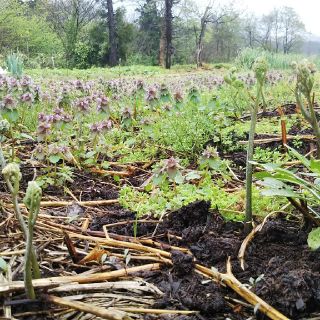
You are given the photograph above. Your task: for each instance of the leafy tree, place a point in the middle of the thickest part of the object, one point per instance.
(93, 47)
(127, 32)
(149, 22)
(23, 28)
(68, 18)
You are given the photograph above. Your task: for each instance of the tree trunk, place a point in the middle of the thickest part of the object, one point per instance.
(201, 36)
(163, 45)
(200, 45)
(250, 39)
(168, 32)
(113, 59)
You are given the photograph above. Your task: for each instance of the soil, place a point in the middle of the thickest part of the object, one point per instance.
(279, 256)
(288, 109)
(291, 281)
(288, 272)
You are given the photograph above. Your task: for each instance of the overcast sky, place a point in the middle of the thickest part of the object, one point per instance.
(309, 10)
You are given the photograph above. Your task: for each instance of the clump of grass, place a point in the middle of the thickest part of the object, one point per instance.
(247, 57)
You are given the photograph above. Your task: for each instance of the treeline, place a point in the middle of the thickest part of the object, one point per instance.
(85, 33)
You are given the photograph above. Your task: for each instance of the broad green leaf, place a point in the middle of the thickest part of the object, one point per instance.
(279, 192)
(179, 179)
(11, 115)
(272, 183)
(286, 175)
(90, 154)
(54, 158)
(262, 175)
(314, 239)
(192, 175)
(300, 157)
(158, 179)
(90, 161)
(105, 165)
(267, 166)
(130, 142)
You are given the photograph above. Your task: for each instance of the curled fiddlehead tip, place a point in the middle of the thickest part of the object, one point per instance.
(305, 71)
(33, 195)
(232, 79)
(260, 68)
(12, 173)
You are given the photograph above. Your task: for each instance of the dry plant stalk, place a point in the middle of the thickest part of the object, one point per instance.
(277, 138)
(98, 277)
(231, 281)
(52, 204)
(228, 278)
(157, 311)
(110, 314)
(112, 173)
(249, 238)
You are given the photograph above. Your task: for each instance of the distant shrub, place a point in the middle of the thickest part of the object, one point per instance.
(247, 56)
(140, 59)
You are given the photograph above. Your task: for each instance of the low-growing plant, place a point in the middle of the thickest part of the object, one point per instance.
(237, 93)
(304, 88)
(163, 199)
(211, 162)
(267, 155)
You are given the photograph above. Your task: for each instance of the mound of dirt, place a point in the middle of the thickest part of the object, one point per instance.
(279, 256)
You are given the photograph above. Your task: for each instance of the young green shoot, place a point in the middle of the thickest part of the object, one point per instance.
(32, 201)
(12, 176)
(260, 68)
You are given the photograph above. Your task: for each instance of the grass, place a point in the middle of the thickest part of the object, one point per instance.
(277, 61)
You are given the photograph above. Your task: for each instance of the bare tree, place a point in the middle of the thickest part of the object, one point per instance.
(266, 28)
(250, 30)
(270, 31)
(276, 27)
(214, 16)
(293, 29)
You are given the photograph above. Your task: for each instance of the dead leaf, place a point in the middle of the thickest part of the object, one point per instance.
(95, 255)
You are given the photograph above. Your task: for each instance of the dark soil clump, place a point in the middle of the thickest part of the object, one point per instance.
(290, 281)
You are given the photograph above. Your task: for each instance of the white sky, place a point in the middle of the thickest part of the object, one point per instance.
(308, 10)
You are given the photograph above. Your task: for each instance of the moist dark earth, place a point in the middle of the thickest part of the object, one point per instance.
(291, 281)
(279, 255)
(291, 277)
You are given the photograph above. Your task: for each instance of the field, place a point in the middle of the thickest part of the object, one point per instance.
(143, 179)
